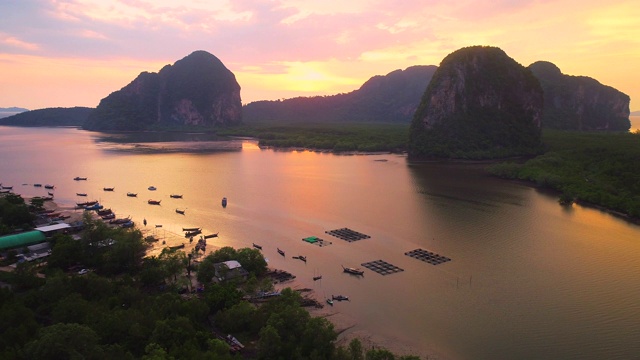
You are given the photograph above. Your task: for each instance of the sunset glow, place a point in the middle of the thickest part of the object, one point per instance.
(76, 52)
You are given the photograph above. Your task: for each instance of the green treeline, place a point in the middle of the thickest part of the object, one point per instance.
(130, 306)
(597, 168)
(332, 137)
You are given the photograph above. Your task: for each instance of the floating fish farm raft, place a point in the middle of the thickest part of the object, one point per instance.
(427, 256)
(314, 240)
(347, 234)
(382, 267)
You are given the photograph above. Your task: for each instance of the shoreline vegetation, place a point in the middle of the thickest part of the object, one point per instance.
(100, 294)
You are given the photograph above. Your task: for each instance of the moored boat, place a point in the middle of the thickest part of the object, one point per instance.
(78, 178)
(192, 233)
(259, 247)
(300, 257)
(353, 271)
(190, 229)
(49, 186)
(330, 302)
(224, 202)
(211, 236)
(35, 185)
(108, 216)
(153, 202)
(128, 224)
(152, 188)
(181, 212)
(108, 189)
(317, 277)
(175, 196)
(340, 297)
(104, 212)
(280, 252)
(81, 194)
(87, 203)
(9, 187)
(50, 193)
(130, 194)
(120, 221)
(176, 247)
(95, 206)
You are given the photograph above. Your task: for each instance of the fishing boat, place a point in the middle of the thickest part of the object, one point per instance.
(81, 194)
(340, 297)
(353, 271)
(259, 247)
(108, 189)
(190, 229)
(104, 212)
(211, 236)
(300, 257)
(9, 187)
(153, 202)
(128, 224)
(181, 212)
(315, 278)
(181, 246)
(120, 221)
(175, 196)
(50, 193)
(130, 194)
(35, 185)
(108, 216)
(280, 252)
(49, 186)
(192, 233)
(152, 188)
(224, 202)
(95, 206)
(87, 203)
(78, 178)
(330, 302)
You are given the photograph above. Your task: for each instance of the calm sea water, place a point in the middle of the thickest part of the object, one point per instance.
(528, 278)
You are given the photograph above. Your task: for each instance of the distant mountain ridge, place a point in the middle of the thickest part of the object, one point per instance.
(390, 98)
(580, 102)
(197, 90)
(5, 112)
(75, 116)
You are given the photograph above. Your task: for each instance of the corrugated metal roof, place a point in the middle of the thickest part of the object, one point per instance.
(53, 227)
(22, 239)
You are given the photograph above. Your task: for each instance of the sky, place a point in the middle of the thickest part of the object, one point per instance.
(64, 53)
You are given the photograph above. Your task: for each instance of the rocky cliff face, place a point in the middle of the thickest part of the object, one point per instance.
(580, 102)
(480, 103)
(390, 98)
(196, 91)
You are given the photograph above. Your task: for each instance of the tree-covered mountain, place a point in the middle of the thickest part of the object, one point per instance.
(197, 90)
(480, 103)
(580, 102)
(390, 98)
(75, 116)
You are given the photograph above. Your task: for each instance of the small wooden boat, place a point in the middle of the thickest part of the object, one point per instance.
(175, 196)
(50, 193)
(158, 225)
(9, 187)
(120, 221)
(55, 214)
(181, 246)
(35, 185)
(340, 297)
(104, 212)
(192, 233)
(130, 194)
(49, 186)
(300, 257)
(128, 224)
(81, 194)
(181, 212)
(315, 278)
(152, 188)
(95, 206)
(108, 189)
(87, 203)
(211, 236)
(78, 178)
(330, 302)
(353, 271)
(259, 247)
(190, 229)
(224, 202)
(108, 216)
(153, 202)
(280, 252)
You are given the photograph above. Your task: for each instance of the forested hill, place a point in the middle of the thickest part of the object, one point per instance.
(5, 112)
(75, 116)
(390, 98)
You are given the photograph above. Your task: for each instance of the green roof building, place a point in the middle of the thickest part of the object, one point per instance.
(21, 240)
